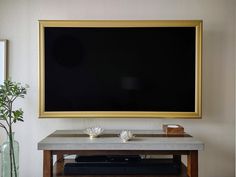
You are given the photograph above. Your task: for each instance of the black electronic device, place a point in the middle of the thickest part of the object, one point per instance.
(108, 158)
(121, 165)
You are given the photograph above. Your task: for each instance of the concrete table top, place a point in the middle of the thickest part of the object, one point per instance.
(77, 140)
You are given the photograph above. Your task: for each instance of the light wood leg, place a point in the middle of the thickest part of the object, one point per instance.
(47, 163)
(192, 160)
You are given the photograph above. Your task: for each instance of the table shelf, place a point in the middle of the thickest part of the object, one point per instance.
(58, 172)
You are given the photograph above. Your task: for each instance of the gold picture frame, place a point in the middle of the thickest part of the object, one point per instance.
(121, 23)
(3, 60)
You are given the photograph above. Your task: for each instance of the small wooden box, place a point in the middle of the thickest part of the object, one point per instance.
(173, 129)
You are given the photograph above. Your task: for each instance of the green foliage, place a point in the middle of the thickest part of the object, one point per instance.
(9, 92)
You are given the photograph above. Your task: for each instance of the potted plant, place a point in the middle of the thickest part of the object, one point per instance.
(9, 92)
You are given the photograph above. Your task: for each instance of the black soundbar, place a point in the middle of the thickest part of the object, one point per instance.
(121, 167)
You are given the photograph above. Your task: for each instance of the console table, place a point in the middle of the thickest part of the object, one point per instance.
(145, 142)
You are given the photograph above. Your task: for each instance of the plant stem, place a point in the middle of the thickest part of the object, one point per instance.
(3, 126)
(10, 135)
(12, 156)
(10, 139)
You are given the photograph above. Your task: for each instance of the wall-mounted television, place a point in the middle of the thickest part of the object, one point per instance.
(120, 69)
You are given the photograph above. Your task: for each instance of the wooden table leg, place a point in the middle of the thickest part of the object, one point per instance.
(192, 160)
(47, 163)
(60, 163)
(60, 156)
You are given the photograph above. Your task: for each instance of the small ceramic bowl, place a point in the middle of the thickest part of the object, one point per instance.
(93, 132)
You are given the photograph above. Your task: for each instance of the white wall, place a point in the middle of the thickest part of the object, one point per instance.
(19, 24)
(235, 89)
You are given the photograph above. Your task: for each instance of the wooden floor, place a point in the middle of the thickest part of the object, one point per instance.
(58, 172)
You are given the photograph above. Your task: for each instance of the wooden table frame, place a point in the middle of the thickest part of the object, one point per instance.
(192, 157)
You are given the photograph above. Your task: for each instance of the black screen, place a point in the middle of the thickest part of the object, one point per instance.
(120, 69)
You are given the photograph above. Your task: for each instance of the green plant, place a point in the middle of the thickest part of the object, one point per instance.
(9, 92)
